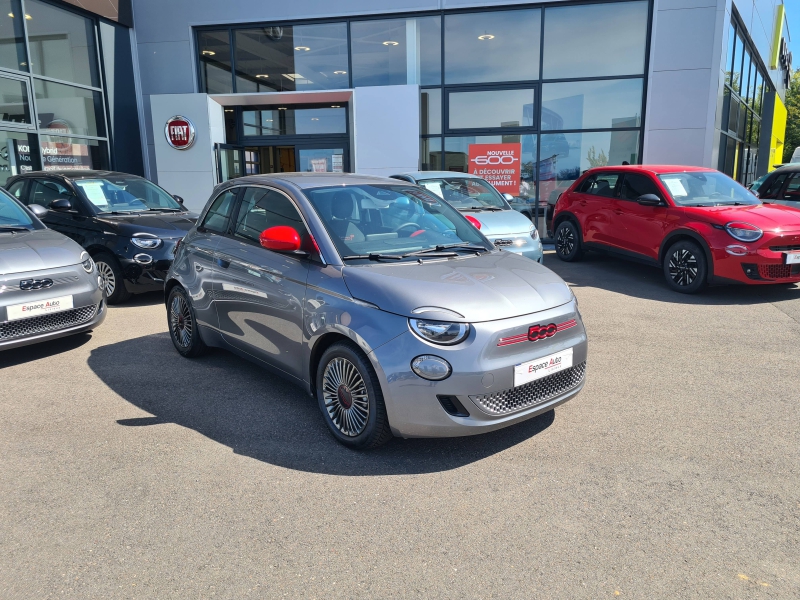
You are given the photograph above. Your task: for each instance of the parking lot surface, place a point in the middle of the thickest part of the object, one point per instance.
(129, 472)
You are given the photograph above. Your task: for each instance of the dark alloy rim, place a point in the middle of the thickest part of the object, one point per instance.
(565, 242)
(345, 395)
(180, 321)
(683, 267)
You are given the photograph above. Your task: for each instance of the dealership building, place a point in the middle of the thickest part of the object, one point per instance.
(193, 92)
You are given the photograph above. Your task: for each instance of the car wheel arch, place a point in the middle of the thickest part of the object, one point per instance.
(169, 286)
(322, 343)
(687, 234)
(565, 216)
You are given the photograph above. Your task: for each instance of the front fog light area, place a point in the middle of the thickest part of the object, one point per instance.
(432, 368)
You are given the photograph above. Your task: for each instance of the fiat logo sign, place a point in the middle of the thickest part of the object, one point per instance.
(179, 132)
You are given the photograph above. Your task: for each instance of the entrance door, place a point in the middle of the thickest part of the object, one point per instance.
(230, 162)
(319, 159)
(237, 161)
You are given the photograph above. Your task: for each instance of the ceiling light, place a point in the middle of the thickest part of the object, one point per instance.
(335, 106)
(486, 36)
(293, 76)
(340, 72)
(28, 17)
(302, 48)
(262, 76)
(281, 108)
(208, 53)
(391, 43)
(11, 15)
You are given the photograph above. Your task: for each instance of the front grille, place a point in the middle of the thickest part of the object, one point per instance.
(785, 248)
(533, 393)
(775, 271)
(46, 323)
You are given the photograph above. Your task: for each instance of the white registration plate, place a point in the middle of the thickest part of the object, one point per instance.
(792, 258)
(40, 307)
(542, 367)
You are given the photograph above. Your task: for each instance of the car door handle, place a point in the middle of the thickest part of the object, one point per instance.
(617, 211)
(223, 263)
(198, 268)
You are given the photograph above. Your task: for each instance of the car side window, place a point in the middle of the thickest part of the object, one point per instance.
(792, 191)
(262, 208)
(772, 188)
(15, 189)
(601, 184)
(635, 185)
(45, 191)
(217, 216)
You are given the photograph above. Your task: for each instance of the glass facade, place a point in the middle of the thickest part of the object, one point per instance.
(52, 111)
(513, 77)
(742, 103)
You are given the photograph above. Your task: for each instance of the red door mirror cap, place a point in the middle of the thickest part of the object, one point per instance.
(280, 238)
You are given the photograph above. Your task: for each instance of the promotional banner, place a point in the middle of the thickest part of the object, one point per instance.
(499, 164)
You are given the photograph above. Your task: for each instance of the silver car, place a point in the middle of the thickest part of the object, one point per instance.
(49, 287)
(380, 300)
(485, 208)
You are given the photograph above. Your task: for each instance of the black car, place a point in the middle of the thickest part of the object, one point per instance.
(129, 225)
(781, 186)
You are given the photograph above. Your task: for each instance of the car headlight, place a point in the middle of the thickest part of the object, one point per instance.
(86, 262)
(534, 232)
(147, 243)
(440, 332)
(744, 232)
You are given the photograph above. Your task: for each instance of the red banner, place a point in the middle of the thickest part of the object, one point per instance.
(499, 164)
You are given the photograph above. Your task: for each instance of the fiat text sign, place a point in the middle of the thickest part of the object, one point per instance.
(180, 133)
(499, 164)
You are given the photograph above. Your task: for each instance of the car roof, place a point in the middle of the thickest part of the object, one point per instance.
(434, 174)
(654, 169)
(315, 180)
(787, 168)
(76, 174)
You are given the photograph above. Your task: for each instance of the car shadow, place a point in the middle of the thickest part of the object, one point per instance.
(597, 270)
(258, 414)
(137, 300)
(25, 354)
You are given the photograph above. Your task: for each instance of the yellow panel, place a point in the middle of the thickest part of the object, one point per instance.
(776, 37)
(778, 133)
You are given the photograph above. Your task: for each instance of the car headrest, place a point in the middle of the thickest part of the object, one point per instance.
(342, 205)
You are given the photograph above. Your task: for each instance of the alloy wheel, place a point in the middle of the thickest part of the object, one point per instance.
(683, 267)
(565, 241)
(180, 321)
(345, 395)
(107, 275)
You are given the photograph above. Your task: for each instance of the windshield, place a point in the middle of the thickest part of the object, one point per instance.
(465, 193)
(707, 188)
(758, 183)
(126, 194)
(12, 216)
(364, 220)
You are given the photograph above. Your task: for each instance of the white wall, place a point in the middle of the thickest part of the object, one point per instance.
(190, 173)
(386, 129)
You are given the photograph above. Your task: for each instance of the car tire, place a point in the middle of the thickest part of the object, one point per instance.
(567, 241)
(182, 324)
(113, 282)
(350, 398)
(685, 267)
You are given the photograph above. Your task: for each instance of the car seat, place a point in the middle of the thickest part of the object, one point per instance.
(341, 223)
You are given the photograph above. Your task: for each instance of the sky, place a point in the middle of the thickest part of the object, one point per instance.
(793, 16)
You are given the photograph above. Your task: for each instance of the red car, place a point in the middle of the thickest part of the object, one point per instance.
(696, 224)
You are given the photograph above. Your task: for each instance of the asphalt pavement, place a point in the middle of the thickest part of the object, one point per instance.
(129, 472)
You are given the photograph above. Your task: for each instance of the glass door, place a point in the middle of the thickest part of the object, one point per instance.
(322, 159)
(230, 162)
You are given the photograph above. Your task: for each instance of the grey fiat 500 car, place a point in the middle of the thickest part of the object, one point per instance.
(485, 208)
(379, 299)
(49, 286)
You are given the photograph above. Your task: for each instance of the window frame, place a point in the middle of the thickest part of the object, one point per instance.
(236, 190)
(652, 180)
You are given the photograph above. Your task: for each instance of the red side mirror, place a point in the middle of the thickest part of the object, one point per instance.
(281, 238)
(474, 221)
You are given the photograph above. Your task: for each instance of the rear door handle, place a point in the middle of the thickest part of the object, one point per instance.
(198, 268)
(223, 263)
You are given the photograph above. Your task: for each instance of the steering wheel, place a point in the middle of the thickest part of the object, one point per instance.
(404, 225)
(715, 195)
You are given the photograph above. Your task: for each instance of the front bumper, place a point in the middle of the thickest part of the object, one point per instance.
(146, 270)
(96, 314)
(758, 263)
(481, 369)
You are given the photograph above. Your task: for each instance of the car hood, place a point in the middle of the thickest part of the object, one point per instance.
(497, 285)
(768, 217)
(36, 250)
(504, 222)
(166, 225)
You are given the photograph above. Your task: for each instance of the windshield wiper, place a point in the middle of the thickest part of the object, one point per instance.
(493, 208)
(475, 208)
(166, 209)
(441, 250)
(13, 228)
(373, 256)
